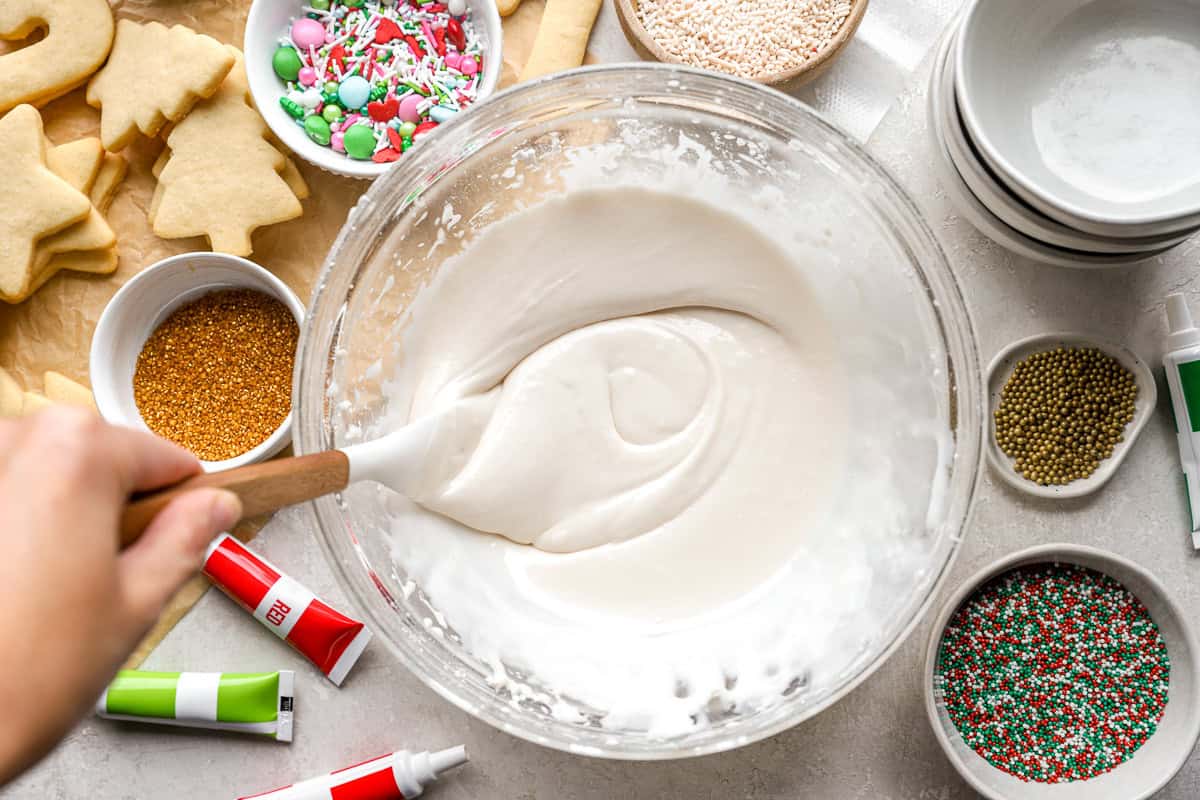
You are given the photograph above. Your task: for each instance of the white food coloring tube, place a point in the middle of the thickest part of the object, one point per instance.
(398, 776)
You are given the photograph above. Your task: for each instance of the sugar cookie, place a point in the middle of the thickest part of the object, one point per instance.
(10, 395)
(562, 37)
(507, 7)
(32, 402)
(93, 232)
(112, 172)
(221, 176)
(86, 245)
(35, 202)
(90, 245)
(155, 75)
(61, 389)
(81, 157)
(103, 260)
(290, 173)
(79, 34)
(292, 177)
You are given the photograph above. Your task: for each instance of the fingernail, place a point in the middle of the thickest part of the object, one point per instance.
(225, 511)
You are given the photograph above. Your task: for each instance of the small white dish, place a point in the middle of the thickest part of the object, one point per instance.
(268, 20)
(1001, 368)
(1013, 211)
(979, 215)
(142, 304)
(1088, 109)
(1156, 761)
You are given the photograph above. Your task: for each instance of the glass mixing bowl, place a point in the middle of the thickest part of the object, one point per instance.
(515, 148)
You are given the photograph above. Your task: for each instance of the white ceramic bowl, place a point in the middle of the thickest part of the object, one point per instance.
(269, 20)
(1156, 761)
(142, 304)
(1001, 368)
(1009, 207)
(1089, 109)
(979, 215)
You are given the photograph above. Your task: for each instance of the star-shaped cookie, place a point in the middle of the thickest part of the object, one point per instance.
(35, 202)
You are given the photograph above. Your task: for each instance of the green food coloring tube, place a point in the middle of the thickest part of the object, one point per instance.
(224, 701)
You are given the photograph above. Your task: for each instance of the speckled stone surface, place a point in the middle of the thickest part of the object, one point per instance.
(874, 744)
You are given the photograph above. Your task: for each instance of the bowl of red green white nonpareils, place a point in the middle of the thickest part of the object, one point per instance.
(351, 85)
(1063, 671)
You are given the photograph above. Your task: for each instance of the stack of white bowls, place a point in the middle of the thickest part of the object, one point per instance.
(1068, 131)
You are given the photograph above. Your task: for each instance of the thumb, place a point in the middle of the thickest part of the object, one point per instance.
(172, 548)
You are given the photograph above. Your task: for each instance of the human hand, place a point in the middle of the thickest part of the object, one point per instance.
(72, 605)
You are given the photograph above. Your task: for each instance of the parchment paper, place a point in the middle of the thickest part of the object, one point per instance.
(53, 329)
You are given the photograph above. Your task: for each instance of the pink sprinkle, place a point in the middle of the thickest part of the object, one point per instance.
(453, 60)
(469, 67)
(307, 32)
(337, 142)
(308, 76)
(408, 108)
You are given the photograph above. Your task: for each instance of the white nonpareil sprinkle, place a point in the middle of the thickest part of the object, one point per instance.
(747, 38)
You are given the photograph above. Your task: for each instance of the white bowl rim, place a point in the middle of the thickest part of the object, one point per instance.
(982, 217)
(1061, 552)
(294, 137)
(1021, 181)
(111, 317)
(1147, 402)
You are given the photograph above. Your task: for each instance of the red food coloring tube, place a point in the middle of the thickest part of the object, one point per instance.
(397, 776)
(324, 636)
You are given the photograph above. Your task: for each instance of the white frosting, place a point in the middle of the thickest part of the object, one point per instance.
(617, 420)
(671, 428)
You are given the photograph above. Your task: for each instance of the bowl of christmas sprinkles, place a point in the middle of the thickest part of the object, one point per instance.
(200, 348)
(776, 42)
(1065, 409)
(351, 85)
(1063, 671)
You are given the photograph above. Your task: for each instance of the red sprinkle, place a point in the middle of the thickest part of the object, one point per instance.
(387, 31)
(338, 56)
(415, 46)
(383, 111)
(457, 37)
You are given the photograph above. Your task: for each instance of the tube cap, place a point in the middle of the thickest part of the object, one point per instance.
(448, 759)
(1182, 332)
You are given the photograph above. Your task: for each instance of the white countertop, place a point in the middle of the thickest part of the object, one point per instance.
(876, 743)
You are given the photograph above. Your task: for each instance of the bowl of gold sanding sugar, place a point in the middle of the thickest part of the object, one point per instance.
(1065, 409)
(776, 42)
(1062, 672)
(199, 349)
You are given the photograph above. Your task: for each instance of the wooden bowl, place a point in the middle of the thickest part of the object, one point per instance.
(647, 47)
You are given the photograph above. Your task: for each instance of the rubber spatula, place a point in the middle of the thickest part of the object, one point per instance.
(434, 447)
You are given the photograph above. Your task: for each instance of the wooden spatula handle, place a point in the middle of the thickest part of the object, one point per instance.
(262, 487)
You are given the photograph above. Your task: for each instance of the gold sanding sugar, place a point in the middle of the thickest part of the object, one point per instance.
(216, 375)
(1062, 412)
